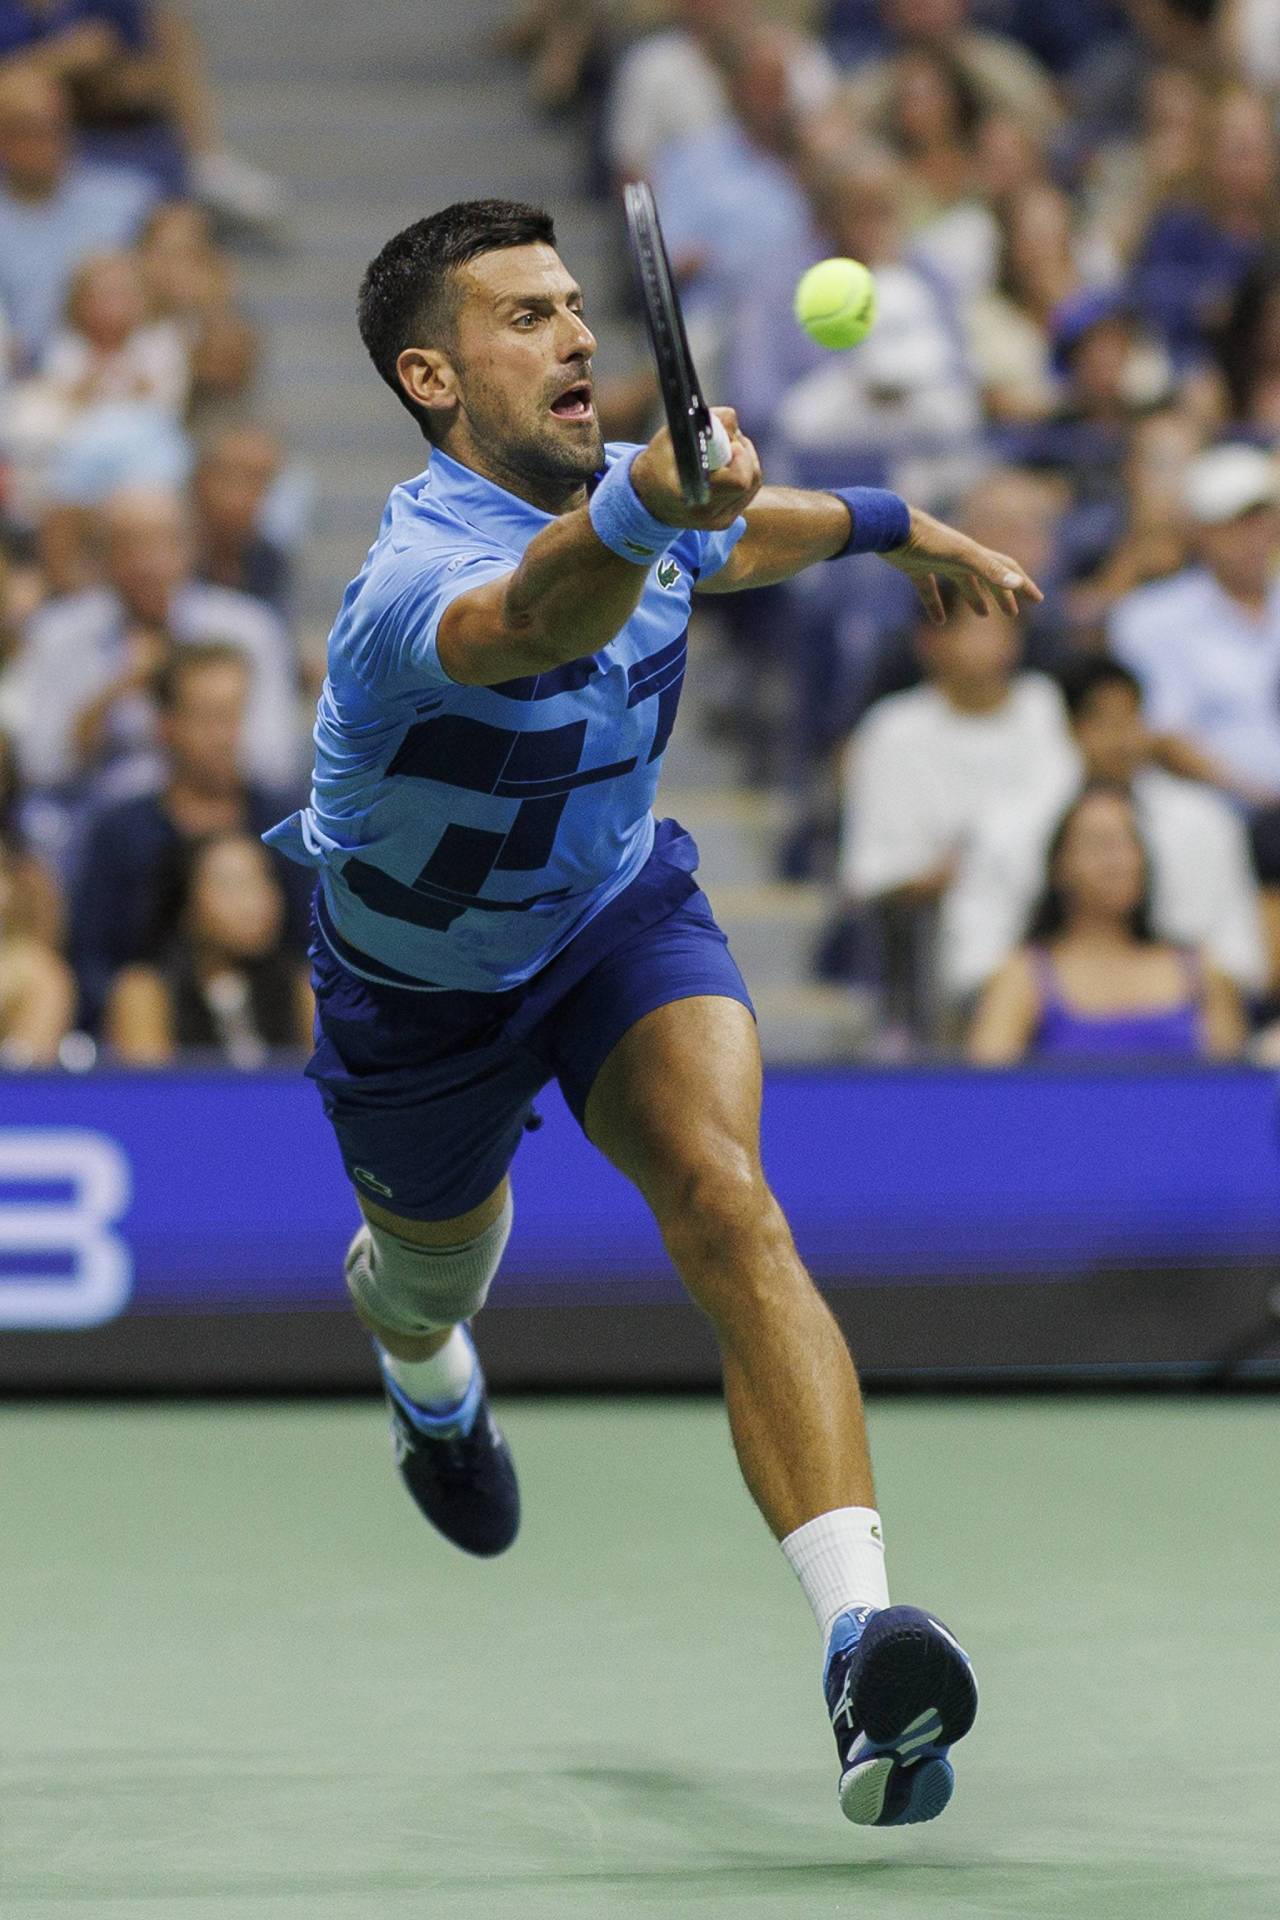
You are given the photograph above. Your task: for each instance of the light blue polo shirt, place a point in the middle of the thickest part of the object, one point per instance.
(464, 835)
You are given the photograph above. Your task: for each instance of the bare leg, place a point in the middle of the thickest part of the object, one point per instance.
(426, 1233)
(676, 1107)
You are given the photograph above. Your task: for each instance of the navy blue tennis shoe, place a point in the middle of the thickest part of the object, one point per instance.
(900, 1691)
(457, 1467)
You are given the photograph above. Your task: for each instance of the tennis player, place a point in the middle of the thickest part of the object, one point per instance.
(497, 907)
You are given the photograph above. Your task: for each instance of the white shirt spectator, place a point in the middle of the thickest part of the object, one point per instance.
(924, 777)
(908, 392)
(151, 368)
(1208, 670)
(1204, 894)
(73, 650)
(42, 243)
(667, 90)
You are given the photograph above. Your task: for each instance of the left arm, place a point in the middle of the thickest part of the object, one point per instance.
(788, 530)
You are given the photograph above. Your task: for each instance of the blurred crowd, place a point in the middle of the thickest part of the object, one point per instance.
(152, 717)
(1056, 836)
(1060, 835)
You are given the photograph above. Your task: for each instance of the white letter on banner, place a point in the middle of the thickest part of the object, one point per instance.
(97, 1172)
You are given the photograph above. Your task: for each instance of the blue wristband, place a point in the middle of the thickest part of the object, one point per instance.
(879, 520)
(622, 521)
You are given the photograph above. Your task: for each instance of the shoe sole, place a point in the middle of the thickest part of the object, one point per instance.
(913, 1697)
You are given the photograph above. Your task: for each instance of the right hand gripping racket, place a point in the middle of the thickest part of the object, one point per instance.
(700, 441)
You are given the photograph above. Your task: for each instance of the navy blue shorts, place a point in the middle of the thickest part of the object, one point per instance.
(429, 1093)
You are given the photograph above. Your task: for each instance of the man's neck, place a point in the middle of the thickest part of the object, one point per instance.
(549, 496)
(32, 193)
(1251, 595)
(196, 810)
(975, 701)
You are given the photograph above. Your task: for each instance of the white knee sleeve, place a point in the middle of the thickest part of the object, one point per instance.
(418, 1290)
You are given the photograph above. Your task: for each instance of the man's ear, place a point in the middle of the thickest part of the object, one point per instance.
(427, 376)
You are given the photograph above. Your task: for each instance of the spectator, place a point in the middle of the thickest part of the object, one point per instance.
(669, 86)
(232, 482)
(1248, 349)
(78, 694)
(225, 981)
(926, 769)
(137, 78)
(37, 992)
(740, 233)
(1196, 252)
(1203, 893)
(128, 844)
(111, 354)
(1004, 77)
(932, 124)
(907, 396)
(1109, 374)
(1151, 542)
(54, 209)
(192, 285)
(1008, 323)
(35, 897)
(1094, 980)
(1206, 643)
(1128, 178)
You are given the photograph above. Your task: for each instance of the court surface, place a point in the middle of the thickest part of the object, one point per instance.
(240, 1680)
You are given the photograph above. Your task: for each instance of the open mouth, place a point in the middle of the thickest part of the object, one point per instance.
(574, 403)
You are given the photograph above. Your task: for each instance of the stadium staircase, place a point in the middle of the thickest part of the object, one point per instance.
(374, 115)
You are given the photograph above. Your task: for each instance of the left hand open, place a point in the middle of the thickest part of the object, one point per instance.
(935, 551)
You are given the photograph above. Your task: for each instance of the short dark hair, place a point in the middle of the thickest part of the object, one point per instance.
(1049, 915)
(1080, 680)
(404, 296)
(166, 686)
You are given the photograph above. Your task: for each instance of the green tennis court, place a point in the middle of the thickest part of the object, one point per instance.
(242, 1681)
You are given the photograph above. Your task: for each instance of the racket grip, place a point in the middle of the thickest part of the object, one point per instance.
(719, 446)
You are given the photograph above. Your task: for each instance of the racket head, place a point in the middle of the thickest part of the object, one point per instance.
(688, 417)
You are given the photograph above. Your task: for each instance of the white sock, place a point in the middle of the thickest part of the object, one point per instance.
(440, 1382)
(839, 1561)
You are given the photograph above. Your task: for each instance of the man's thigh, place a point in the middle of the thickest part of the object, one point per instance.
(428, 1099)
(678, 1099)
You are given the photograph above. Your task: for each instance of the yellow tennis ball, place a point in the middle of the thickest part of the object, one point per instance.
(836, 303)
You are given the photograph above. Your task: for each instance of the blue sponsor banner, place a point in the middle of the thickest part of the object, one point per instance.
(158, 1192)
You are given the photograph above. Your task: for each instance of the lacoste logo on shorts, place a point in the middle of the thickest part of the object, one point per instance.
(668, 573)
(369, 1180)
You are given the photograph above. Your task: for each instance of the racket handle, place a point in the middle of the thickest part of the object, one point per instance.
(719, 447)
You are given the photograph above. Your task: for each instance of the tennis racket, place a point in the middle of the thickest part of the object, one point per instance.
(699, 439)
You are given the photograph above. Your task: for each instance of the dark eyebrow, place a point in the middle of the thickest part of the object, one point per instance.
(540, 302)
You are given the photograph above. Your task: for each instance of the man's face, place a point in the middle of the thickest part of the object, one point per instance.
(34, 138)
(521, 363)
(232, 480)
(1110, 734)
(1242, 553)
(203, 728)
(971, 655)
(148, 556)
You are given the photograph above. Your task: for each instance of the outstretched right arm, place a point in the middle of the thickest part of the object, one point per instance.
(571, 593)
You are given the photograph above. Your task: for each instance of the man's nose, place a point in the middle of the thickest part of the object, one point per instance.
(577, 342)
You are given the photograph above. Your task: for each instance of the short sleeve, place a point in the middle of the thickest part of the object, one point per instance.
(399, 649)
(715, 548)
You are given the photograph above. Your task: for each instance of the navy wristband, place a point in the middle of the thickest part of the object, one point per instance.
(623, 522)
(879, 520)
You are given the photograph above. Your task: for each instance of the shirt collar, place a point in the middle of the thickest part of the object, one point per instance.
(482, 503)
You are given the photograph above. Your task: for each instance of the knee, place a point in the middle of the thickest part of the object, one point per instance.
(413, 1290)
(718, 1215)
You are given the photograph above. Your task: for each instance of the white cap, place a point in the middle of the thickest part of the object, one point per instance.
(1228, 481)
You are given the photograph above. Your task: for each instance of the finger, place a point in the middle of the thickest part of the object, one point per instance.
(1006, 576)
(971, 592)
(926, 586)
(728, 418)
